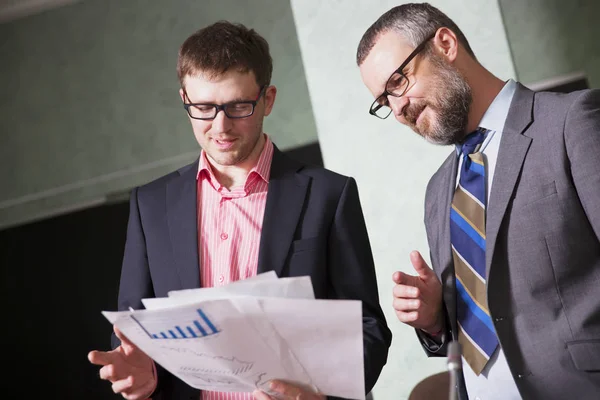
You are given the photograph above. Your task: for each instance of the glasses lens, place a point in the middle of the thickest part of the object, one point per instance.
(202, 111)
(239, 110)
(380, 109)
(397, 84)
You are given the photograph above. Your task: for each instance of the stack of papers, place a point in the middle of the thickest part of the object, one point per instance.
(238, 337)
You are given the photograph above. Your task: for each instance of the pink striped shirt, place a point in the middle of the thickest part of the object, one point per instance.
(229, 228)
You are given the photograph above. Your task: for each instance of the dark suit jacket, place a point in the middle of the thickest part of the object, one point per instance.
(543, 244)
(313, 225)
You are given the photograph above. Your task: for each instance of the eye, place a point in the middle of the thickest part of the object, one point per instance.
(204, 108)
(239, 106)
(396, 83)
(382, 100)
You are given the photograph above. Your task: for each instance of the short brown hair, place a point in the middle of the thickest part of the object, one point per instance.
(415, 22)
(225, 46)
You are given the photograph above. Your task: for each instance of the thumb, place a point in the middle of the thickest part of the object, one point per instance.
(125, 343)
(420, 265)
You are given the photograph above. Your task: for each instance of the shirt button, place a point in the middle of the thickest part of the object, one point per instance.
(221, 278)
(224, 236)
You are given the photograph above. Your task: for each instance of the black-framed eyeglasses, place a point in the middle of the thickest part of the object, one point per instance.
(396, 85)
(234, 109)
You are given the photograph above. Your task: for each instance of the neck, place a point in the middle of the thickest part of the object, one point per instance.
(484, 88)
(231, 176)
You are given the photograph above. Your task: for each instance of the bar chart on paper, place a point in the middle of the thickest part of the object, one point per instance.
(180, 326)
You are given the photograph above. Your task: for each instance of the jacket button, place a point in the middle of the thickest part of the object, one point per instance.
(498, 319)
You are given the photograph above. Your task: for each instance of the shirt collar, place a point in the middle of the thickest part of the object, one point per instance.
(494, 118)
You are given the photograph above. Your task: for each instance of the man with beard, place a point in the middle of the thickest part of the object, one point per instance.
(512, 216)
(240, 209)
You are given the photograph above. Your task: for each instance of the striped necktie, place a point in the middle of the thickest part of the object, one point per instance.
(476, 333)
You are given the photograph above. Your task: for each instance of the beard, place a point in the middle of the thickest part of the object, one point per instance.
(450, 105)
(243, 149)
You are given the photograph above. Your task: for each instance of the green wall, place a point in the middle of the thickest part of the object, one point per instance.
(550, 38)
(90, 100)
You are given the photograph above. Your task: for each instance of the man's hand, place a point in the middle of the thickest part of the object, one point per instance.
(287, 391)
(130, 370)
(418, 299)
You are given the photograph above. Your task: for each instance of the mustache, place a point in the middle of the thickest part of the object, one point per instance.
(411, 112)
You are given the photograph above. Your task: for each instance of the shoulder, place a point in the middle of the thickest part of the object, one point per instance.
(550, 104)
(321, 178)
(159, 185)
(319, 173)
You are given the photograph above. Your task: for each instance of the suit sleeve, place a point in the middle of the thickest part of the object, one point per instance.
(433, 346)
(352, 271)
(136, 282)
(582, 140)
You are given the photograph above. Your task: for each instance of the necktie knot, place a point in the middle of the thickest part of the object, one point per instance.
(472, 141)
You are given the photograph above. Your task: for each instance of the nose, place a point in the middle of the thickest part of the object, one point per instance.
(398, 105)
(221, 122)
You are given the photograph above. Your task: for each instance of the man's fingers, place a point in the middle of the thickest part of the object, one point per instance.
(121, 335)
(122, 385)
(110, 373)
(125, 343)
(260, 395)
(405, 279)
(406, 305)
(407, 317)
(405, 292)
(420, 265)
(284, 388)
(129, 389)
(101, 357)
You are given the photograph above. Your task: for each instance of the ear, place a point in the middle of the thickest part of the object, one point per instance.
(270, 94)
(182, 94)
(446, 43)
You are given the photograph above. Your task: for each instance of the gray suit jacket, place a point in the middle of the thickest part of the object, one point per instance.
(543, 244)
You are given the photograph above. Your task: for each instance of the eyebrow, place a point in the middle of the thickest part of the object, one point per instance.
(235, 100)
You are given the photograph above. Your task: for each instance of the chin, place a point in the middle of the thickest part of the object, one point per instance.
(439, 141)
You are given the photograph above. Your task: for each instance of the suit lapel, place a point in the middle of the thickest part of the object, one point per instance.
(511, 154)
(446, 266)
(448, 184)
(182, 219)
(285, 201)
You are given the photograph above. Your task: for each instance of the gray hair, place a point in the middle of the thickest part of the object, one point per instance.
(415, 22)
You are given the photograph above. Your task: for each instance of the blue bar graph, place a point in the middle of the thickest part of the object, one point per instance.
(178, 326)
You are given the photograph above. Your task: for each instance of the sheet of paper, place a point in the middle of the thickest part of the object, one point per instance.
(252, 308)
(210, 346)
(326, 337)
(297, 287)
(265, 276)
(239, 336)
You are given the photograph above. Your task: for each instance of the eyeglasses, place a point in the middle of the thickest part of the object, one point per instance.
(234, 109)
(396, 85)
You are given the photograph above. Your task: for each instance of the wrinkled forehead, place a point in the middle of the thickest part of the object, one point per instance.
(388, 53)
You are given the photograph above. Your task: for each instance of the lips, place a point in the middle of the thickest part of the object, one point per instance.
(224, 144)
